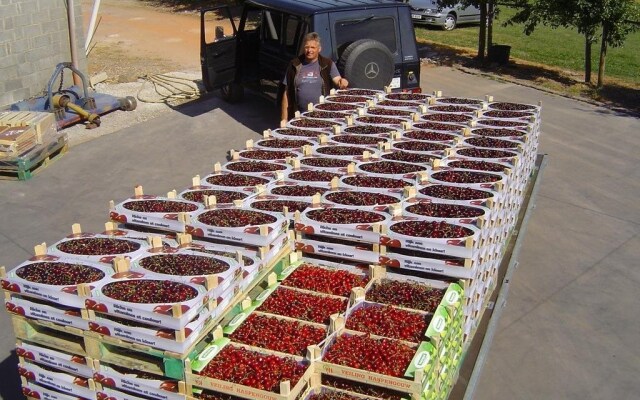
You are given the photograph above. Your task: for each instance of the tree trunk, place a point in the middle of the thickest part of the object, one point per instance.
(490, 12)
(482, 39)
(588, 39)
(603, 55)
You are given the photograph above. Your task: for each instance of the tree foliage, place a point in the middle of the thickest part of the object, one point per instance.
(612, 18)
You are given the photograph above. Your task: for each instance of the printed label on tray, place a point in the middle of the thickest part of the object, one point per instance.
(37, 313)
(348, 233)
(37, 392)
(41, 293)
(132, 336)
(155, 222)
(218, 233)
(69, 363)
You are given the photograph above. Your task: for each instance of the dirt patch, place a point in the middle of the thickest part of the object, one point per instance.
(133, 39)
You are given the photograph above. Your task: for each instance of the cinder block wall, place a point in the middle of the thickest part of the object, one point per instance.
(34, 38)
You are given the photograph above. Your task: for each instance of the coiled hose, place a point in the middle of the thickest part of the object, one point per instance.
(168, 88)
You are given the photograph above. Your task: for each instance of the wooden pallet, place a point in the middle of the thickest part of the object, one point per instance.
(25, 168)
(49, 334)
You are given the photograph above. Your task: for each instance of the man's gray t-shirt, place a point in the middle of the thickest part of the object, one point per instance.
(309, 83)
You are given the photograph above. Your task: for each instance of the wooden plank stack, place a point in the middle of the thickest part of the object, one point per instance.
(29, 141)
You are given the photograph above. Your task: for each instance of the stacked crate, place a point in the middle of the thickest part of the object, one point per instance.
(75, 341)
(424, 189)
(29, 141)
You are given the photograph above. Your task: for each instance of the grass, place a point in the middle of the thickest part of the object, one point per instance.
(560, 48)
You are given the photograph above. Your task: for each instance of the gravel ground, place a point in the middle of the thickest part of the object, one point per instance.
(154, 95)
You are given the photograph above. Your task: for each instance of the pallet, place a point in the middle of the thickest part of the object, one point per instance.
(49, 334)
(26, 167)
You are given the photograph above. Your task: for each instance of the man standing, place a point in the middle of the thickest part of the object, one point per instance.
(309, 76)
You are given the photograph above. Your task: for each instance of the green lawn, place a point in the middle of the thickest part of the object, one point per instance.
(563, 48)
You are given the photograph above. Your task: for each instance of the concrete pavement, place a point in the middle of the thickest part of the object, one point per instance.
(571, 322)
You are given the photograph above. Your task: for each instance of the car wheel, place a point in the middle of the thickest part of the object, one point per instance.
(232, 93)
(367, 64)
(449, 22)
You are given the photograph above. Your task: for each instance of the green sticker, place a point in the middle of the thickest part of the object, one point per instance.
(423, 359)
(288, 270)
(208, 353)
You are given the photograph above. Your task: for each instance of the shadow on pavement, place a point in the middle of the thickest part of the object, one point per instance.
(10, 388)
(255, 112)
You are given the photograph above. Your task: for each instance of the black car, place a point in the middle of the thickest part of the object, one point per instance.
(372, 42)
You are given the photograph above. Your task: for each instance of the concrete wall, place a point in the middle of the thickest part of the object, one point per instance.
(34, 38)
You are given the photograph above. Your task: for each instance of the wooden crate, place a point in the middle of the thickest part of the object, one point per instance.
(27, 165)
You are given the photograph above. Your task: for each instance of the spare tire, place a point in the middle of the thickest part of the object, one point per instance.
(367, 64)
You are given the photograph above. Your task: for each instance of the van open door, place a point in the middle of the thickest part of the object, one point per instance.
(217, 47)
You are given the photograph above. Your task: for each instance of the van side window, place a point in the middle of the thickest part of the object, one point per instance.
(252, 20)
(272, 27)
(381, 29)
(294, 29)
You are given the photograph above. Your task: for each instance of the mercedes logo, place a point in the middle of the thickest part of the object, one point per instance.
(371, 70)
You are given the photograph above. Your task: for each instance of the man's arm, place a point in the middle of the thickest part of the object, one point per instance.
(284, 106)
(340, 82)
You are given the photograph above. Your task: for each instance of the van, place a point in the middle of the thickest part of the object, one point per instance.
(372, 43)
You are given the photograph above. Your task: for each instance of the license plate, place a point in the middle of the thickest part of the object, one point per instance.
(416, 16)
(395, 83)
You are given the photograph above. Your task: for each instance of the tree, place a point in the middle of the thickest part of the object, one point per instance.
(587, 16)
(616, 26)
(484, 38)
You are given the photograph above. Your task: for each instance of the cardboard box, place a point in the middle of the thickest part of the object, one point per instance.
(70, 363)
(343, 151)
(324, 246)
(363, 232)
(165, 315)
(215, 283)
(486, 198)
(297, 133)
(66, 295)
(258, 235)
(60, 381)
(395, 198)
(157, 388)
(387, 122)
(176, 341)
(34, 391)
(314, 124)
(382, 184)
(368, 168)
(51, 312)
(107, 393)
(271, 155)
(263, 169)
(164, 221)
(482, 221)
(428, 262)
(463, 247)
(93, 242)
(310, 189)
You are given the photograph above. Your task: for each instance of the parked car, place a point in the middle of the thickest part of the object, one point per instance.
(430, 12)
(361, 36)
